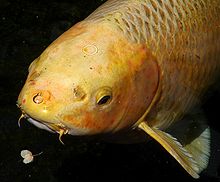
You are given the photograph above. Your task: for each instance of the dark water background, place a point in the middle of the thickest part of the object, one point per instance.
(26, 29)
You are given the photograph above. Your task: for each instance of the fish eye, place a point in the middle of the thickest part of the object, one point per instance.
(104, 96)
(104, 100)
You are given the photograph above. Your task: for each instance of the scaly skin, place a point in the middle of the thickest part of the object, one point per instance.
(184, 37)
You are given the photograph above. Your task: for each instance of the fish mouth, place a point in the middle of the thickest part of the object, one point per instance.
(40, 124)
(51, 127)
(59, 128)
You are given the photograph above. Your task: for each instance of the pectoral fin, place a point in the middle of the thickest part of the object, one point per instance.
(174, 148)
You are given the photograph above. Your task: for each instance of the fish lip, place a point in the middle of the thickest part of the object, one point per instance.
(39, 124)
(19, 106)
(53, 128)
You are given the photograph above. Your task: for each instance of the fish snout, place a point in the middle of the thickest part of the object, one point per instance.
(38, 104)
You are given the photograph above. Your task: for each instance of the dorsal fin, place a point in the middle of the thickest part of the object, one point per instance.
(184, 155)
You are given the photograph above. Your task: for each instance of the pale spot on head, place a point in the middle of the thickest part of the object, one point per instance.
(90, 49)
(45, 109)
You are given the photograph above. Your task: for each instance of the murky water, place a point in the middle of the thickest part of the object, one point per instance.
(26, 29)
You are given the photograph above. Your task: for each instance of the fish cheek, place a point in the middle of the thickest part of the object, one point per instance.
(97, 122)
(111, 118)
(88, 121)
(98, 119)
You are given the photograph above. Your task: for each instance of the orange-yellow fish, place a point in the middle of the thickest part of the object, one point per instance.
(132, 64)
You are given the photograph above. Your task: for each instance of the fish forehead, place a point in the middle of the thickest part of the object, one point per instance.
(86, 58)
(88, 50)
(72, 53)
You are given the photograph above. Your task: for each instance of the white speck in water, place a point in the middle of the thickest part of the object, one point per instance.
(28, 156)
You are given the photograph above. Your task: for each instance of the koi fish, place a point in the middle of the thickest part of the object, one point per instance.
(132, 65)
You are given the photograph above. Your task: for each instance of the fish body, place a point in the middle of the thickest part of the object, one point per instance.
(184, 38)
(140, 64)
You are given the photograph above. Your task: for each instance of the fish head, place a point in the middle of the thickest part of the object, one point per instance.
(91, 80)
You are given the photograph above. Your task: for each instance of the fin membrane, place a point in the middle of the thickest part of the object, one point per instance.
(200, 149)
(192, 157)
(194, 134)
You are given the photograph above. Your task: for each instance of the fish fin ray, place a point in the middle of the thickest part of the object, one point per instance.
(194, 134)
(174, 147)
(200, 149)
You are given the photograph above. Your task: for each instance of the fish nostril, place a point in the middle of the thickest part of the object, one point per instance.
(42, 97)
(38, 99)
